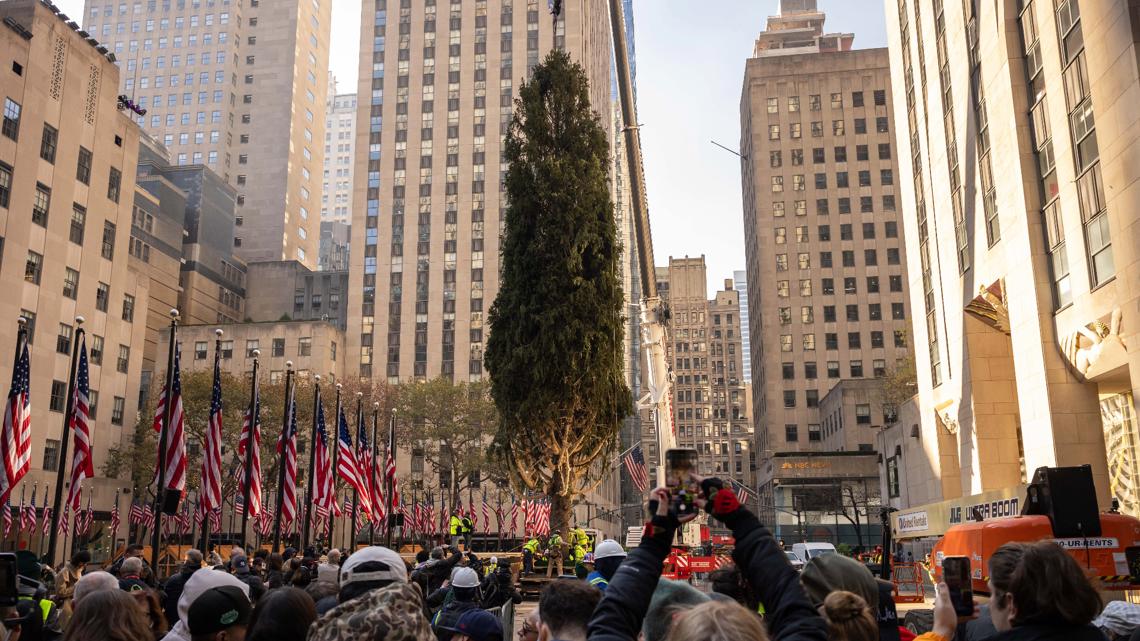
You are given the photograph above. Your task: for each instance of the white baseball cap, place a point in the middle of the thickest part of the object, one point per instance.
(608, 548)
(464, 578)
(396, 570)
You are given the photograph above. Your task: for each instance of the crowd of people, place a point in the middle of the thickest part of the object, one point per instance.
(1039, 592)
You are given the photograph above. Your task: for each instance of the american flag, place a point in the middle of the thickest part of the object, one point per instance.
(347, 507)
(429, 517)
(82, 462)
(115, 518)
(7, 517)
(542, 521)
(85, 518)
(740, 490)
(211, 493)
(135, 515)
(390, 471)
(255, 452)
(45, 524)
(30, 521)
(635, 465)
(16, 443)
(514, 517)
(287, 450)
(64, 520)
(148, 517)
(347, 465)
(175, 436)
(184, 520)
(486, 514)
(216, 519)
(324, 496)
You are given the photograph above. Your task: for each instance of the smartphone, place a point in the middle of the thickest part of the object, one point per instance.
(679, 464)
(956, 574)
(9, 592)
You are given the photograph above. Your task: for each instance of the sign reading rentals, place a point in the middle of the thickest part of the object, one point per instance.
(935, 518)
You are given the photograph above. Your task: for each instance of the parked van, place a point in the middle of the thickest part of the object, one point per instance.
(808, 551)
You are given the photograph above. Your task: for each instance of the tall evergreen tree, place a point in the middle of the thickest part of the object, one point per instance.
(555, 349)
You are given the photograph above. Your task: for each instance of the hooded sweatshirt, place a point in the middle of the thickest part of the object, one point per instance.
(199, 582)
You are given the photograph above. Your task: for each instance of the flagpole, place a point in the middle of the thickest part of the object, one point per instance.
(206, 522)
(167, 408)
(285, 427)
(248, 475)
(375, 421)
(40, 547)
(334, 453)
(312, 463)
(115, 530)
(63, 439)
(355, 492)
(388, 481)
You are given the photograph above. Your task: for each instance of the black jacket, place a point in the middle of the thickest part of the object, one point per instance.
(790, 616)
(1050, 632)
(256, 587)
(449, 616)
(498, 588)
(788, 612)
(431, 576)
(172, 591)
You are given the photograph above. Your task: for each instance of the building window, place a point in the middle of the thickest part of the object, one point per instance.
(201, 350)
(814, 433)
(48, 143)
(102, 296)
(63, 339)
(33, 268)
(791, 434)
(893, 477)
(251, 345)
(114, 184)
(83, 166)
(128, 308)
(862, 414)
(117, 406)
(833, 369)
(856, 369)
(70, 283)
(898, 311)
(879, 368)
(41, 205)
(811, 397)
(58, 400)
(5, 185)
(11, 126)
(51, 455)
(108, 250)
(124, 360)
(227, 349)
(96, 350)
(789, 398)
(305, 346)
(78, 223)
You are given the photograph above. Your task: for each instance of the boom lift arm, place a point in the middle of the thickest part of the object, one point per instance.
(654, 314)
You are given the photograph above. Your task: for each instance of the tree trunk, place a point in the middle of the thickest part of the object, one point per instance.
(561, 508)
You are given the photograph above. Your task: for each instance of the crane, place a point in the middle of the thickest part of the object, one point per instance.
(654, 314)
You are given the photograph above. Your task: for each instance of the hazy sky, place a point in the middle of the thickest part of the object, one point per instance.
(690, 65)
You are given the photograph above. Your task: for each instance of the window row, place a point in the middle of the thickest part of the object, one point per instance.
(815, 101)
(838, 128)
(823, 206)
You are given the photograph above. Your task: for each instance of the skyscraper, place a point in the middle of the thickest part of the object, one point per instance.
(710, 409)
(828, 309)
(238, 87)
(436, 93)
(67, 184)
(740, 284)
(340, 140)
(1022, 237)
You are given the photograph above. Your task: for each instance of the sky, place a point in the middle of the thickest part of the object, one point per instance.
(690, 66)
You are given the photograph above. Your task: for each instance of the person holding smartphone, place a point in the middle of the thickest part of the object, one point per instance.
(790, 616)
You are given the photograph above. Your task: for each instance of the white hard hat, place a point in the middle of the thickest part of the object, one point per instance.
(608, 548)
(494, 560)
(464, 578)
(396, 571)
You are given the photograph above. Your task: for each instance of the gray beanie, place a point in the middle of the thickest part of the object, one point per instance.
(668, 594)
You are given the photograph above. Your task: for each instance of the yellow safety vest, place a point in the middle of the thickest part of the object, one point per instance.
(455, 524)
(532, 545)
